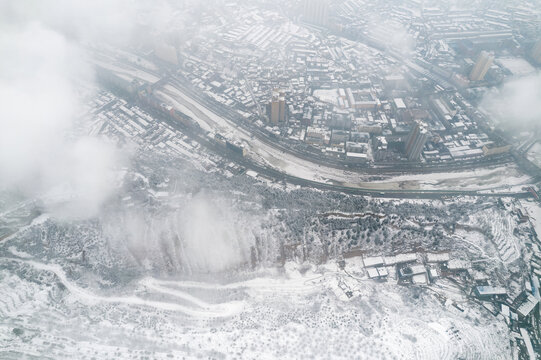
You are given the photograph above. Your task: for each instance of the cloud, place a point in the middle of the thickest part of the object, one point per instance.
(215, 240)
(78, 20)
(515, 105)
(44, 153)
(393, 35)
(41, 72)
(203, 234)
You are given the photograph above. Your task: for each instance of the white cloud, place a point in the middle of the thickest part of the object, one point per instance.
(204, 234)
(393, 35)
(215, 239)
(40, 75)
(516, 104)
(78, 20)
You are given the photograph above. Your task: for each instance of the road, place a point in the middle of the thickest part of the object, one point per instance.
(289, 147)
(271, 172)
(316, 158)
(276, 175)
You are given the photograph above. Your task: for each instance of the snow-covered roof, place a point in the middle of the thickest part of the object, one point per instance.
(372, 272)
(490, 290)
(439, 257)
(400, 259)
(526, 307)
(418, 269)
(458, 264)
(419, 279)
(373, 261)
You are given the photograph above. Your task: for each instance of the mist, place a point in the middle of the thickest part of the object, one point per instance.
(44, 82)
(515, 105)
(204, 234)
(39, 76)
(393, 34)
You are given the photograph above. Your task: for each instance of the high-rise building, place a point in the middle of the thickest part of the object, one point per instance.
(276, 108)
(483, 63)
(416, 141)
(281, 107)
(316, 12)
(536, 52)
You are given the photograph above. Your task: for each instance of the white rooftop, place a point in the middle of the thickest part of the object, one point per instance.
(373, 261)
(491, 290)
(419, 279)
(440, 257)
(400, 258)
(458, 264)
(418, 269)
(527, 306)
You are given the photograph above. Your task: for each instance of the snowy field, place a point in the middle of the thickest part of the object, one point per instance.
(141, 297)
(534, 154)
(294, 313)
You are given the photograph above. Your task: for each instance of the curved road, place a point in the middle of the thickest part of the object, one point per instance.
(278, 175)
(273, 174)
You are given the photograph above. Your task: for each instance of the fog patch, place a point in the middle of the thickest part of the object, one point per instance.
(393, 34)
(78, 20)
(215, 240)
(202, 234)
(40, 77)
(515, 105)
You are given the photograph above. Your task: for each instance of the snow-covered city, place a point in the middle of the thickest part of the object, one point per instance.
(309, 179)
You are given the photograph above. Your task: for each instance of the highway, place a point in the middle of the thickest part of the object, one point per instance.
(289, 147)
(280, 176)
(316, 158)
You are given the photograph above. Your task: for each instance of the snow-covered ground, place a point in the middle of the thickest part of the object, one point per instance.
(124, 70)
(503, 177)
(300, 312)
(535, 154)
(177, 276)
(533, 210)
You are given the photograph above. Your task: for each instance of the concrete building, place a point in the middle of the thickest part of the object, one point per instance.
(416, 141)
(316, 12)
(316, 136)
(276, 109)
(525, 303)
(490, 292)
(338, 137)
(491, 149)
(373, 261)
(483, 63)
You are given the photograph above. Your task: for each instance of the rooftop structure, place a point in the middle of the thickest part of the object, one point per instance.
(373, 261)
(490, 291)
(525, 304)
(400, 259)
(316, 12)
(437, 257)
